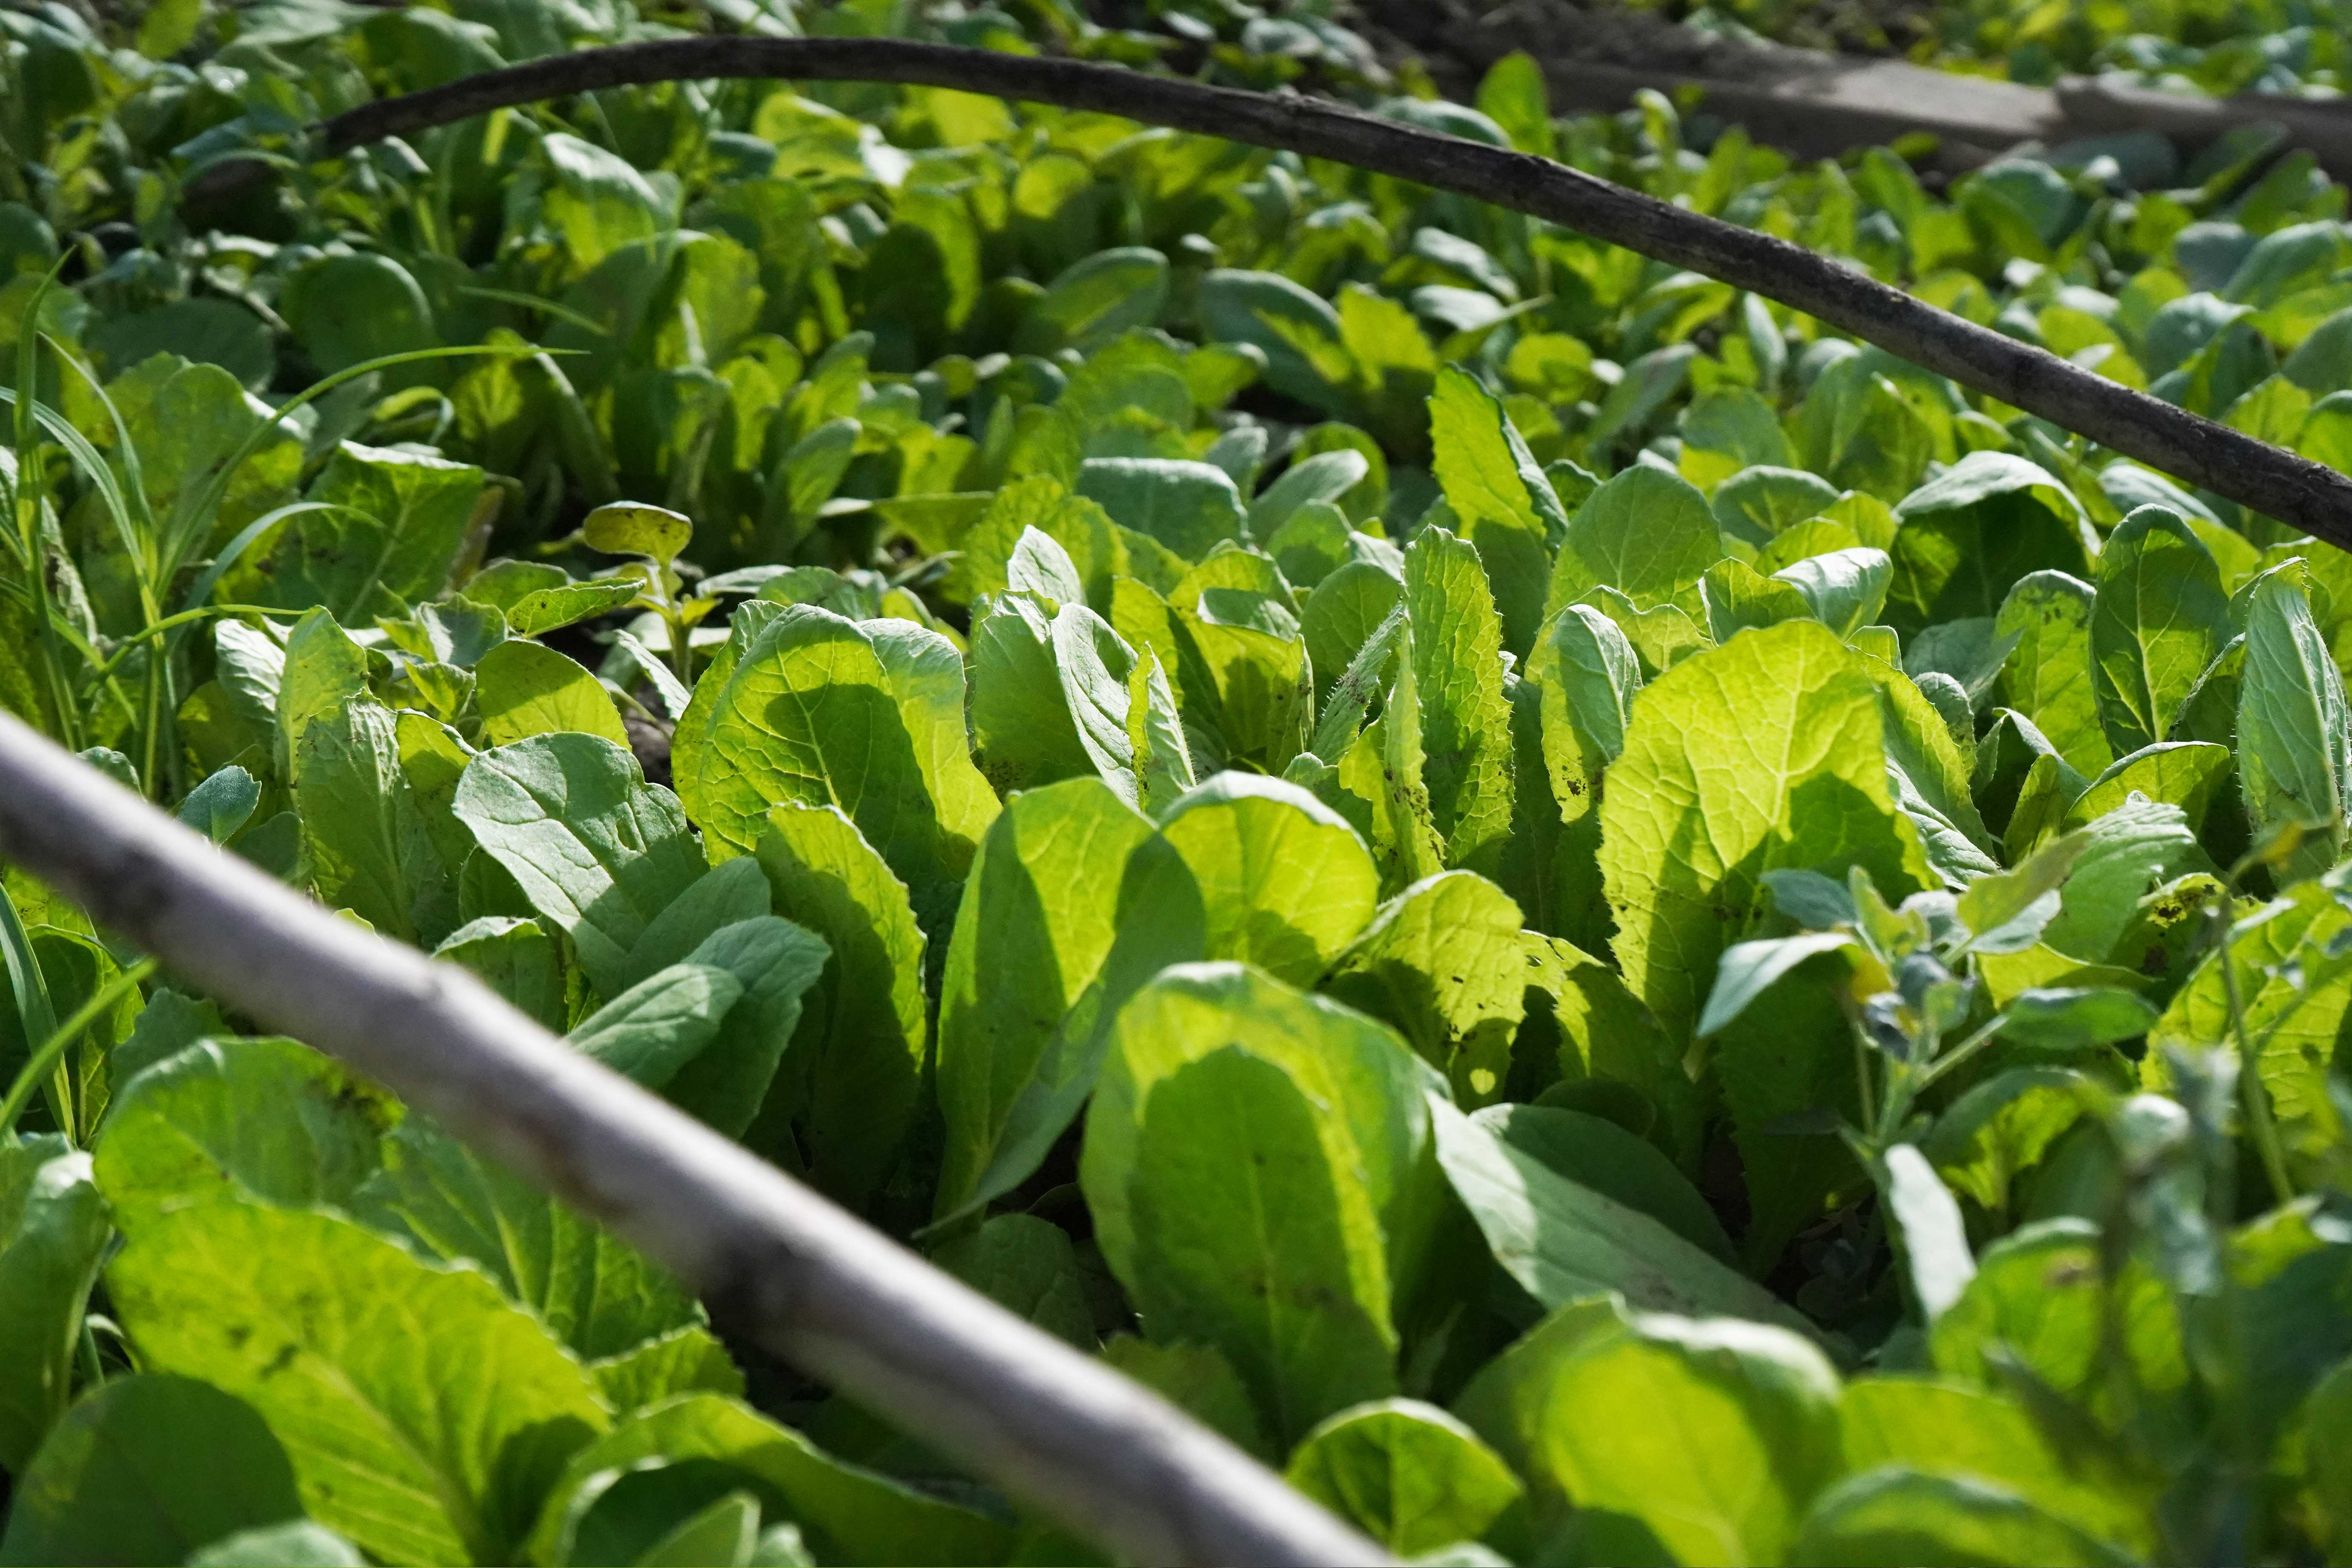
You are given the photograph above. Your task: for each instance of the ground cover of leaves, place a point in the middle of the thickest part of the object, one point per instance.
(1608, 928)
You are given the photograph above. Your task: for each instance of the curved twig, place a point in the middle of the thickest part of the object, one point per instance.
(2294, 490)
(773, 1259)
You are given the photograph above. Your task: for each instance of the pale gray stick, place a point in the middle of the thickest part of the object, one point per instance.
(1106, 1458)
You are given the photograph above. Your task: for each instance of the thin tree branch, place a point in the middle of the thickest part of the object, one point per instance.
(1111, 1461)
(2294, 490)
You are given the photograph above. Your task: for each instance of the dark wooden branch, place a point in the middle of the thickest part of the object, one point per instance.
(2296, 491)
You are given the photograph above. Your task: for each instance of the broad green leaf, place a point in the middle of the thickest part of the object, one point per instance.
(1188, 507)
(775, 962)
(1294, 328)
(2327, 1450)
(683, 1361)
(167, 1024)
(1646, 533)
(1286, 882)
(1507, 509)
(1246, 642)
(1946, 1429)
(1156, 741)
(1748, 969)
(727, 1532)
(323, 671)
(1560, 1239)
(1844, 588)
(1198, 1381)
(2038, 1296)
(1024, 731)
(650, 1031)
(1123, 709)
(1466, 725)
(1511, 1400)
(1758, 505)
(1585, 660)
(391, 536)
(1249, 1235)
(597, 850)
(53, 1232)
(1597, 1154)
(1080, 527)
(147, 1469)
(1029, 1266)
(1736, 597)
(1442, 962)
(365, 846)
(1056, 877)
(596, 1294)
(2293, 996)
(1306, 488)
(1787, 1059)
(2210, 711)
(1341, 617)
(2007, 912)
(865, 718)
(2124, 853)
(1931, 778)
(1040, 566)
(433, 759)
(183, 421)
(421, 1448)
(1095, 299)
(2160, 618)
(850, 1515)
(2024, 784)
(1383, 769)
(349, 309)
(517, 959)
(1719, 1435)
(729, 892)
(1969, 535)
(1727, 429)
(1579, 689)
(632, 527)
(455, 632)
(524, 688)
(250, 665)
(1901, 1515)
(858, 1056)
(1160, 921)
(545, 610)
(2185, 774)
(266, 1120)
(1407, 1474)
(1933, 1238)
(1361, 1089)
(2294, 731)
(1815, 536)
(2068, 1019)
(1512, 94)
(2002, 1127)
(1607, 1042)
(1764, 753)
(221, 804)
